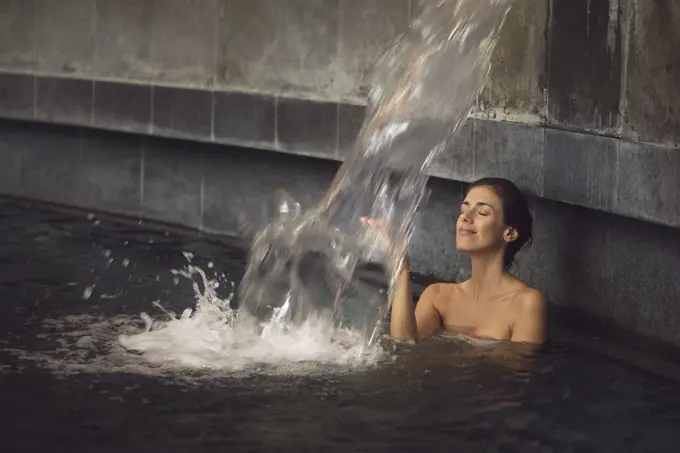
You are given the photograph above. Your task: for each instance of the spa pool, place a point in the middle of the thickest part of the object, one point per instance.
(72, 282)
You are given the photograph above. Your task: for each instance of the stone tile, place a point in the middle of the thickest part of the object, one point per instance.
(65, 35)
(123, 39)
(648, 183)
(367, 28)
(182, 113)
(51, 163)
(580, 169)
(644, 286)
(17, 95)
(240, 184)
(17, 34)
(245, 118)
(517, 85)
(307, 127)
(12, 137)
(172, 181)
(569, 259)
(110, 171)
(585, 65)
(279, 47)
(122, 107)
(652, 89)
(351, 118)
(64, 100)
(183, 47)
(456, 161)
(512, 151)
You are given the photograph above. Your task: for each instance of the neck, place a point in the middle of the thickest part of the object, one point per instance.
(487, 274)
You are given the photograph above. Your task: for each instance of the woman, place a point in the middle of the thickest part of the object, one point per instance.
(494, 224)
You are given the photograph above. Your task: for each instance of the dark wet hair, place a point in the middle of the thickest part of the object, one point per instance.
(516, 214)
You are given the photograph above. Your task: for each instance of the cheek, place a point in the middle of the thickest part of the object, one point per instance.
(488, 227)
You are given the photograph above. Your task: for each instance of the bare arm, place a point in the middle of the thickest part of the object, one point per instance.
(407, 324)
(531, 325)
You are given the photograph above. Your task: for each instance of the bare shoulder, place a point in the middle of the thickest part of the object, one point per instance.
(530, 324)
(531, 301)
(439, 291)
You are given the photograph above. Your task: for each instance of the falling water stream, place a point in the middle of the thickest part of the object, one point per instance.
(301, 296)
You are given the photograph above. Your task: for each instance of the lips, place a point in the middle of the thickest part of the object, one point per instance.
(466, 232)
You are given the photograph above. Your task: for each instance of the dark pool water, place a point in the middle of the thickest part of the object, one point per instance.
(439, 396)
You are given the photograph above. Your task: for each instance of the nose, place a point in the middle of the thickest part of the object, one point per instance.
(465, 217)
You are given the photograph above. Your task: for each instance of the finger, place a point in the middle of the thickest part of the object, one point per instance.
(369, 221)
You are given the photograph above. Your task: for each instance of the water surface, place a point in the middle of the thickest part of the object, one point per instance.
(71, 284)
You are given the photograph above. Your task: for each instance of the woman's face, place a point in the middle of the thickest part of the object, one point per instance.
(480, 225)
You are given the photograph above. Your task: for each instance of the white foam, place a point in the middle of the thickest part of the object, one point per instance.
(208, 337)
(203, 338)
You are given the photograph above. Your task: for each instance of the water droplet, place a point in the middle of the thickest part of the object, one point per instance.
(88, 292)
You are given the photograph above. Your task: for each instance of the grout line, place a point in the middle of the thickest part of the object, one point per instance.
(276, 123)
(617, 166)
(201, 203)
(142, 171)
(543, 156)
(93, 103)
(212, 116)
(35, 97)
(153, 109)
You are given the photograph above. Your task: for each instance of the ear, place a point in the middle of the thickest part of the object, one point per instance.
(510, 234)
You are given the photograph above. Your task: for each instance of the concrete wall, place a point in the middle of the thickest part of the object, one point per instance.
(603, 66)
(581, 105)
(603, 273)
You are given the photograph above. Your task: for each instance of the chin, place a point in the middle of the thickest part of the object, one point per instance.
(469, 245)
(463, 245)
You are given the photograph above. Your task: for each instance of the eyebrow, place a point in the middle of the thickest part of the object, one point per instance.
(479, 203)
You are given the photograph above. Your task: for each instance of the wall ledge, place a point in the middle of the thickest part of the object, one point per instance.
(633, 179)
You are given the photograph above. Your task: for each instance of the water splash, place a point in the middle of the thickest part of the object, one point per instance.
(303, 265)
(208, 337)
(302, 299)
(201, 343)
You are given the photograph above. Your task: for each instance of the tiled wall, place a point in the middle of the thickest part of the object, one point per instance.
(581, 104)
(634, 179)
(612, 272)
(608, 67)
